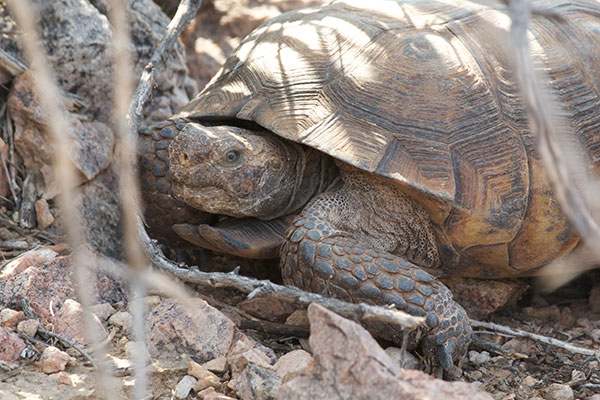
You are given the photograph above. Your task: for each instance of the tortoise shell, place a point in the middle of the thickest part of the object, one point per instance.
(422, 92)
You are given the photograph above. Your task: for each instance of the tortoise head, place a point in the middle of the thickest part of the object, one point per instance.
(233, 171)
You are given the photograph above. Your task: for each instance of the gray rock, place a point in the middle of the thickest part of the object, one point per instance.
(184, 387)
(257, 383)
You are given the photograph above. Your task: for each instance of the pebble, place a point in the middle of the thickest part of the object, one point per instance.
(529, 381)
(29, 327)
(479, 358)
(122, 319)
(292, 363)
(134, 349)
(44, 217)
(184, 387)
(217, 365)
(10, 318)
(558, 391)
(211, 394)
(103, 310)
(54, 360)
(205, 378)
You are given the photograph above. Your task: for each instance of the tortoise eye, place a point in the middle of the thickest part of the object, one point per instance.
(231, 158)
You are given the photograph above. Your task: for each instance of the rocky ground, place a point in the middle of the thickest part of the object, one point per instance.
(219, 345)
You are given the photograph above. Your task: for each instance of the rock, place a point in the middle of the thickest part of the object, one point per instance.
(69, 321)
(218, 365)
(404, 359)
(257, 383)
(122, 319)
(594, 299)
(298, 318)
(211, 394)
(558, 391)
(550, 313)
(103, 310)
(204, 332)
(205, 377)
(481, 297)
(44, 217)
(11, 318)
(44, 281)
(152, 301)
(479, 358)
(93, 142)
(26, 260)
(266, 308)
(292, 363)
(184, 387)
(11, 346)
(245, 352)
(530, 381)
(366, 372)
(28, 327)
(54, 360)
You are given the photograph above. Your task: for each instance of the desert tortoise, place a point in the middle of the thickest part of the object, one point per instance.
(386, 138)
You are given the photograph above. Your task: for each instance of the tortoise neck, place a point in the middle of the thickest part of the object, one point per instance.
(315, 172)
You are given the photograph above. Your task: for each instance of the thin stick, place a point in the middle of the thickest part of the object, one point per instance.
(29, 313)
(357, 312)
(129, 191)
(185, 13)
(543, 339)
(65, 176)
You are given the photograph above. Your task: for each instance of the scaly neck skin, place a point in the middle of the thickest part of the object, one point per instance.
(313, 173)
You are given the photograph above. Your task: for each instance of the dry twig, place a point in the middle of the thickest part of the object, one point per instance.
(540, 338)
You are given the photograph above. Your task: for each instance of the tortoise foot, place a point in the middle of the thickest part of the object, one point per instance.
(318, 258)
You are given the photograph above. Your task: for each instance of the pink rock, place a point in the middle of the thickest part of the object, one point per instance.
(204, 332)
(349, 364)
(11, 318)
(11, 346)
(54, 360)
(246, 351)
(69, 321)
(292, 363)
(28, 327)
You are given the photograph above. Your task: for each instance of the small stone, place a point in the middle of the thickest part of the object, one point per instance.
(267, 308)
(479, 358)
(103, 310)
(69, 321)
(205, 378)
(558, 391)
(257, 383)
(211, 394)
(152, 301)
(550, 313)
(62, 378)
(218, 365)
(184, 387)
(122, 319)
(292, 363)
(530, 381)
(28, 327)
(298, 318)
(595, 334)
(54, 360)
(11, 346)
(404, 359)
(11, 318)
(475, 375)
(566, 318)
(594, 299)
(43, 215)
(243, 353)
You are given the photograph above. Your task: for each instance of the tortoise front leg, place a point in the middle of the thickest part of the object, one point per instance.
(318, 257)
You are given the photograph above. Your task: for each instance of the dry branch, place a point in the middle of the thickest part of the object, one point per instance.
(536, 337)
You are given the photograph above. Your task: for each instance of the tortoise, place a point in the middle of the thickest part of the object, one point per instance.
(376, 146)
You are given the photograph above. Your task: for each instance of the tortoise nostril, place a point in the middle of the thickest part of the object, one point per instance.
(184, 157)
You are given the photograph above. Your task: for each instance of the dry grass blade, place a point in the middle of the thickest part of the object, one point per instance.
(129, 192)
(545, 123)
(50, 100)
